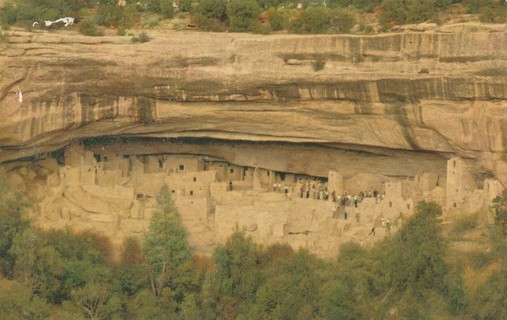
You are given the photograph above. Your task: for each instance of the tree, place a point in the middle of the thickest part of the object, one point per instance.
(243, 15)
(166, 246)
(11, 222)
(411, 11)
(234, 281)
(210, 15)
(17, 303)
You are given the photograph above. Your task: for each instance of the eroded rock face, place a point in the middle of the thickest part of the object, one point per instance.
(398, 96)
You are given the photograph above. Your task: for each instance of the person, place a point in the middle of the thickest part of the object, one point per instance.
(286, 189)
(274, 186)
(345, 215)
(230, 185)
(372, 231)
(302, 191)
(357, 215)
(279, 187)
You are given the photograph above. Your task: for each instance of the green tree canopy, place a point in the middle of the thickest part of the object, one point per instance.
(243, 15)
(11, 222)
(166, 245)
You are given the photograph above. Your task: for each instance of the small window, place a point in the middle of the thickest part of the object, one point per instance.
(172, 191)
(454, 163)
(195, 179)
(454, 204)
(390, 204)
(125, 156)
(191, 193)
(232, 170)
(160, 164)
(105, 158)
(268, 173)
(181, 167)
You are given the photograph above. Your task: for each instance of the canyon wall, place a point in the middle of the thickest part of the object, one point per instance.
(397, 97)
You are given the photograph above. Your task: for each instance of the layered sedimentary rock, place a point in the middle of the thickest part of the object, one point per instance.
(441, 92)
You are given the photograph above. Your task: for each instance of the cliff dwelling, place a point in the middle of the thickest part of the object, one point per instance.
(110, 186)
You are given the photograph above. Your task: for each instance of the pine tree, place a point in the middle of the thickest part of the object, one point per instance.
(166, 245)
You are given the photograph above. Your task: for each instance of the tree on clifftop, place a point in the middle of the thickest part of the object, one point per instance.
(166, 246)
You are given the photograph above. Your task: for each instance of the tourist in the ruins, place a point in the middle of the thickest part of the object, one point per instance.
(286, 189)
(279, 187)
(357, 215)
(308, 193)
(372, 232)
(230, 185)
(388, 225)
(274, 187)
(302, 191)
(333, 196)
(345, 215)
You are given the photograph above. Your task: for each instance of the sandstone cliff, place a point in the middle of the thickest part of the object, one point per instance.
(413, 99)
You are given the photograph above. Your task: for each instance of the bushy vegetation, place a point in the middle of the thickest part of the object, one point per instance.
(262, 16)
(63, 275)
(142, 37)
(89, 27)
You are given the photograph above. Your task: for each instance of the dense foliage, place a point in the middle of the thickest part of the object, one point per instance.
(63, 275)
(262, 16)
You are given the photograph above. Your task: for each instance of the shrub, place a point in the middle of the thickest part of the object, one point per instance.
(162, 7)
(8, 15)
(210, 15)
(278, 19)
(475, 6)
(411, 11)
(29, 11)
(264, 28)
(318, 65)
(366, 5)
(311, 20)
(185, 5)
(266, 4)
(88, 27)
(142, 37)
(150, 21)
(208, 24)
(322, 20)
(243, 15)
(213, 9)
(465, 223)
(341, 21)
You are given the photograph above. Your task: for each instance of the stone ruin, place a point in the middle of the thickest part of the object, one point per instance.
(114, 194)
